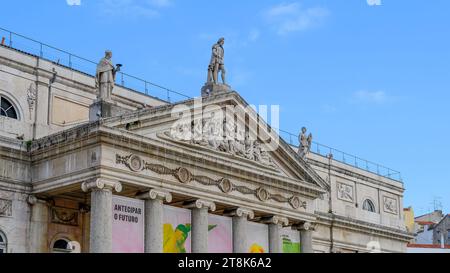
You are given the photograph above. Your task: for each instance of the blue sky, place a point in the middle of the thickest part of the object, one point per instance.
(371, 80)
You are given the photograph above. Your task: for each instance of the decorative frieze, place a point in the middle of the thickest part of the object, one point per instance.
(184, 176)
(65, 216)
(390, 205)
(345, 192)
(219, 134)
(5, 208)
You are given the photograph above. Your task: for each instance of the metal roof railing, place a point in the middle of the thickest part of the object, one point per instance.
(345, 158)
(83, 65)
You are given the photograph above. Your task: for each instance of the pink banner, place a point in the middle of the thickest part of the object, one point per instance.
(127, 225)
(220, 236)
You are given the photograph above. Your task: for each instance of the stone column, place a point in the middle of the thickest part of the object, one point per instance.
(154, 219)
(38, 225)
(306, 229)
(199, 219)
(240, 217)
(275, 224)
(101, 213)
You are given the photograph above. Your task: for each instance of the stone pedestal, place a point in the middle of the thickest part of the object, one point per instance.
(154, 219)
(240, 218)
(104, 109)
(214, 88)
(101, 214)
(199, 224)
(275, 224)
(38, 225)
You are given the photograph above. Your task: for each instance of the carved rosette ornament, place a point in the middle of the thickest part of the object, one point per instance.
(101, 184)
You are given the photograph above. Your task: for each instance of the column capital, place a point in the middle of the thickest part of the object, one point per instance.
(100, 184)
(305, 226)
(33, 200)
(201, 203)
(276, 220)
(154, 194)
(241, 212)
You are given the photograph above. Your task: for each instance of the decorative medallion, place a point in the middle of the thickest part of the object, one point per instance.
(262, 194)
(183, 175)
(135, 163)
(225, 185)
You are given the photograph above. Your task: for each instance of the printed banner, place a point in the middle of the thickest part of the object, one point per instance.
(177, 230)
(290, 240)
(220, 236)
(127, 225)
(257, 238)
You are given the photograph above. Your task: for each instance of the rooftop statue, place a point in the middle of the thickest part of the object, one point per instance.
(216, 66)
(305, 143)
(106, 76)
(217, 62)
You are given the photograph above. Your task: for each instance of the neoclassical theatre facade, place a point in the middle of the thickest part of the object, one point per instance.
(118, 174)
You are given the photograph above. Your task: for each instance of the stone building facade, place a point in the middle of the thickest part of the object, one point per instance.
(60, 166)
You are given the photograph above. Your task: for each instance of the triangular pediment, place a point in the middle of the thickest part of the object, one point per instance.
(221, 125)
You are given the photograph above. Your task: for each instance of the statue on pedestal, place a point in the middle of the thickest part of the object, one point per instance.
(217, 62)
(106, 76)
(215, 66)
(305, 143)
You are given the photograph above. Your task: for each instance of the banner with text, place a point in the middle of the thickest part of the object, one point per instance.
(128, 225)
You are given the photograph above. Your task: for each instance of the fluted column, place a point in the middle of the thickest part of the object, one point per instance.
(38, 225)
(154, 208)
(199, 224)
(275, 224)
(240, 218)
(101, 213)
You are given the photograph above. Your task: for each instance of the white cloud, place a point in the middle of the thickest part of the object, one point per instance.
(73, 2)
(370, 96)
(292, 17)
(374, 2)
(134, 8)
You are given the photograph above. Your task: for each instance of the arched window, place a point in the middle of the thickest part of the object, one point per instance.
(7, 108)
(3, 242)
(369, 206)
(61, 246)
